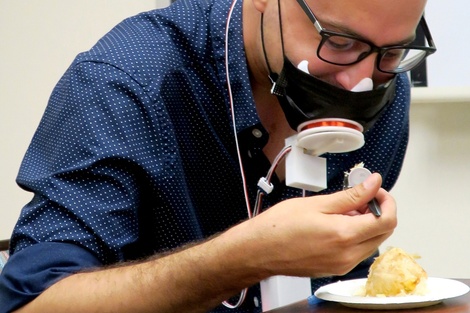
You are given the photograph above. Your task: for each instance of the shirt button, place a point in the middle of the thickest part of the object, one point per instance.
(256, 301)
(257, 133)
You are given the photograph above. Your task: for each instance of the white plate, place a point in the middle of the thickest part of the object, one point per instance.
(345, 292)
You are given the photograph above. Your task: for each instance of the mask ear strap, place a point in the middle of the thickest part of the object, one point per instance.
(271, 74)
(278, 80)
(264, 48)
(280, 25)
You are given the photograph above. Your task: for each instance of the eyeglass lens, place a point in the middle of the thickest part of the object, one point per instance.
(401, 60)
(344, 50)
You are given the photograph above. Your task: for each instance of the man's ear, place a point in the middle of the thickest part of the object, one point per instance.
(260, 5)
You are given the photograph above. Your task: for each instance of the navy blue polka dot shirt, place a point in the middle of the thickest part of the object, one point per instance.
(135, 153)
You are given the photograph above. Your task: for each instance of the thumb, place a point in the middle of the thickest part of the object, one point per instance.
(356, 197)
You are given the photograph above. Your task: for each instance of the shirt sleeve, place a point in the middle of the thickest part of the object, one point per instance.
(85, 166)
(87, 163)
(32, 270)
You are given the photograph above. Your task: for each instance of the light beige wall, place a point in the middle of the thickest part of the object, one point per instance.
(38, 41)
(433, 189)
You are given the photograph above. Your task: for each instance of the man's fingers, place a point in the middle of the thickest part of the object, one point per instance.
(354, 198)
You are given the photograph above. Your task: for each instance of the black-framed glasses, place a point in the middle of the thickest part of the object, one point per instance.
(342, 49)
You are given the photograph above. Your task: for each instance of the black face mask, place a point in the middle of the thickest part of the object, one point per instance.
(304, 97)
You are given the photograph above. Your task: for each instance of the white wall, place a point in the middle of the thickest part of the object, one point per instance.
(433, 188)
(448, 21)
(39, 39)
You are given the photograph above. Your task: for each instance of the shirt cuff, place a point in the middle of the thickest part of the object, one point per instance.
(30, 271)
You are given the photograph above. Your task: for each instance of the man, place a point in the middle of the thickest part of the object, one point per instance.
(139, 202)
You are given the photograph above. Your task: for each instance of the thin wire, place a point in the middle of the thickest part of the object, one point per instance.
(239, 302)
(245, 188)
(260, 194)
(271, 170)
(232, 108)
(277, 160)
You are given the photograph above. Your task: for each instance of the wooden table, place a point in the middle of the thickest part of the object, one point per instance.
(455, 305)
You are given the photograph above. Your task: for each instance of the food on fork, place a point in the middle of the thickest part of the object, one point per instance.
(396, 273)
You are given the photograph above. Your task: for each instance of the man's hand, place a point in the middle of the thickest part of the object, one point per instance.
(323, 235)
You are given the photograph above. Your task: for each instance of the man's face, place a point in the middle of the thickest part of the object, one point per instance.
(381, 22)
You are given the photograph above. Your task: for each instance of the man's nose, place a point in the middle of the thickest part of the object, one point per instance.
(353, 74)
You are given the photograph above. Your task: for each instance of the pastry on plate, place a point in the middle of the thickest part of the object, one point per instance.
(395, 273)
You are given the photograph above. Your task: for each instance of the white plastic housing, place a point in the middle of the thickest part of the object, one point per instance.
(333, 139)
(278, 291)
(303, 170)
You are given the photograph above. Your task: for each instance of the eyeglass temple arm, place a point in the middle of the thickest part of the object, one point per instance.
(310, 14)
(427, 32)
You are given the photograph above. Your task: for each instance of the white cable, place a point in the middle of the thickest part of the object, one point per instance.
(239, 302)
(232, 109)
(245, 188)
(267, 180)
(276, 161)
